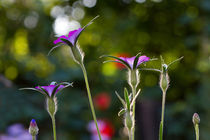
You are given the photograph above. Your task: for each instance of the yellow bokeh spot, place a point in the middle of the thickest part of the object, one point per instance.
(20, 49)
(11, 72)
(109, 69)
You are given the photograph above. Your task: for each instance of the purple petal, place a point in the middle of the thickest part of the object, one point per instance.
(142, 59)
(59, 39)
(49, 89)
(129, 60)
(59, 88)
(73, 35)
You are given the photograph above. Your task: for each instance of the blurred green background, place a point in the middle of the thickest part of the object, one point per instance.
(172, 29)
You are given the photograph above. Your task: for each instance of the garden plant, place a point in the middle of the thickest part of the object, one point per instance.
(135, 65)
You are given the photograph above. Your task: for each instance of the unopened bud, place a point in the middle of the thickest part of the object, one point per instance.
(33, 128)
(195, 119)
(51, 106)
(164, 80)
(128, 121)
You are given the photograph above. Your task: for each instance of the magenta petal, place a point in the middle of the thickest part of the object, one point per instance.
(49, 89)
(73, 35)
(142, 59)
(59, 39)
(59, 88)
(130, 61)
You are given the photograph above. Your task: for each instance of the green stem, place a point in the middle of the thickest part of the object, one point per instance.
(130, 136)
(134, 106)
(162, 116)
(197, 131)
(54, 127)
(90, 98)
(33, 137)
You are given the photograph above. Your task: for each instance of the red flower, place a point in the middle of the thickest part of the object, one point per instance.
(102, 101)
(105, 127)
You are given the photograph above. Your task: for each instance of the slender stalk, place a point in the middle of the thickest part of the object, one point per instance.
(33, 137)
(162, 116)
(130, 136)
(90, 99)
(134, 108)
(197, 131)
(54, 127)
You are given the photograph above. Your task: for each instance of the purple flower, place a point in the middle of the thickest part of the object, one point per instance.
(73, 36)
(50, 90)
(130, 62)
(33, 123)
(71, 39)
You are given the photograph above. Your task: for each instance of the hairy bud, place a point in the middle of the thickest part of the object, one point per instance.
(51, 106)
(133, 77)
(128, 121)
(77, 54)
(195, 119)
(33, 128)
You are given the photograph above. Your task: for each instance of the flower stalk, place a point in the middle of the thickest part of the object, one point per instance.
(52, 108)
(164, 85)
(90, 98)
(196, 121)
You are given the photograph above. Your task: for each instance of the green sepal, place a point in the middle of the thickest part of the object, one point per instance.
(44, 91)
(122, 101)
(127, 98)
(136, 60)
(67, 42)
(122, 61)
(121, 112)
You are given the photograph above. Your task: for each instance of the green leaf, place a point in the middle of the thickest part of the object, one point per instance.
(161, 131)
(134, 98)
(122, 101)
(121, 112)
(127, 98)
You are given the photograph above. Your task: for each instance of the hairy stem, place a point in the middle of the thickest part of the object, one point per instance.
(197, 131)
(134, 106)
(90, 99)
(54, 127)
(33, 137)
(162, 116)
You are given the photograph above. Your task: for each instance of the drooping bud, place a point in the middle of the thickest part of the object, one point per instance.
(195, 119)
(51, 106)
(164, 78)
(33, 128)
(77, 54)
(128, 121)
(133, 77)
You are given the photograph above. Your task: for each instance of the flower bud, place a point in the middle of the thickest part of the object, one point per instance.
(133, 77)
(128, 121)
(33, 128)
(77, 54)
(51, 106)
(195, 119)
(164, 79)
